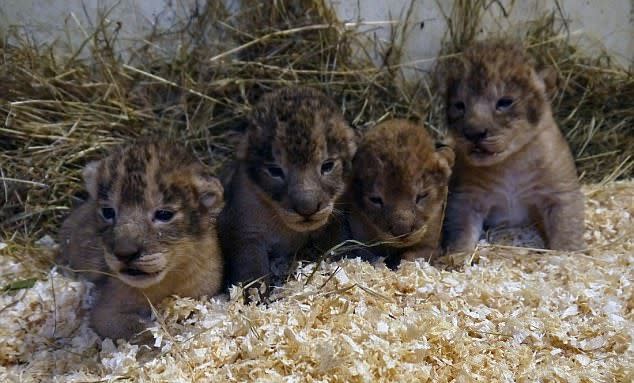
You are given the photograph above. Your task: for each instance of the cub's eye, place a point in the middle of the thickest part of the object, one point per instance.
(327, 167)
(163, 215)
(503, 104)
(459, 106)
(108, 213)
(421, 198)
(275, 171)
(376, 200)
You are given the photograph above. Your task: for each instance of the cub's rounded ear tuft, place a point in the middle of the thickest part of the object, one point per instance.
(242, 147)
(445, 158)
(447, 73)
(548, 75)
(209, 190)
(366, 163)
(251, 136)
(89, 175)
(353, 138)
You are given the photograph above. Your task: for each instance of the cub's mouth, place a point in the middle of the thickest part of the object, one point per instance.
(480, 151)
(307, 224)
(302, 224)
(134, 272)
(139, 278)
(405, 240)
(481, 155)
(144, 272)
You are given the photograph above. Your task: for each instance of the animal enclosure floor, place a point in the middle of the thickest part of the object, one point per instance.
(516, 315)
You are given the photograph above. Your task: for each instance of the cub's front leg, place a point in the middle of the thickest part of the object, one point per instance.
(463, 224)
(248, 261)
(424, 252)
(564, 222)
(120, 312)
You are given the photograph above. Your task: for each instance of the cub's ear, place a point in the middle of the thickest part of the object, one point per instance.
(366, 163)
(447, 73)
(209, 190)
(548, 75)
(90, 178)
(251, 135)
(243, 145)
(353, 138)
(445, 158)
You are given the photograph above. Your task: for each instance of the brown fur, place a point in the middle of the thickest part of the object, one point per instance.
(149, 256)
(291, 168)
(79, 249)
(513, 164)
(399, 189)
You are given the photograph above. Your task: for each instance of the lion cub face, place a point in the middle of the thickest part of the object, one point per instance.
(400, 180)
(151, 199)
(298, 151)
(495, 101)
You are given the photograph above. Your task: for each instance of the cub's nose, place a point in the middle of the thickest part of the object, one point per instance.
(399, 229)
(474, 135)
(306, 206)
(127, 251)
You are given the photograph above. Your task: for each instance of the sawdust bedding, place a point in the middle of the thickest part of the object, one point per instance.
(516, 315)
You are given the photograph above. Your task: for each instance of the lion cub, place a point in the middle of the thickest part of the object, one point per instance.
(150, 224)
(398, 191)
(291, 167)
(513, 165)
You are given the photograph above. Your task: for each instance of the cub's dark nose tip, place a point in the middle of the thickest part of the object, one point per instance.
(127, 252)
(475, 136)
(305, 202)
(401, 229)
(306, 208)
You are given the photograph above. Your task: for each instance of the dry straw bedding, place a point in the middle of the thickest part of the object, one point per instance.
(516, 315)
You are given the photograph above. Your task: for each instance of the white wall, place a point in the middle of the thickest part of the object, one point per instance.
(598, 25)
(68, 22)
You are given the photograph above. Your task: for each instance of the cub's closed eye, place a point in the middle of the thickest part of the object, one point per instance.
(275, 171)
(327, 167)
(375, 200)
(421, 198)
(504, 103)
(108, 213)
(163, 215)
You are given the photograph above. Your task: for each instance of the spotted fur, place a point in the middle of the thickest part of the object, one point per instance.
(492, 69)
(151, 227)
(399, 188)
(293, 165)
(513, 165)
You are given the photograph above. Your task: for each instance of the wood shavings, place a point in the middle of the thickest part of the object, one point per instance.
(516, 315)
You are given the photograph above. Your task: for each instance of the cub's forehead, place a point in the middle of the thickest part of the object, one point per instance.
(302, 122)
(403, 148)
(134, 172)
(494, 63)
